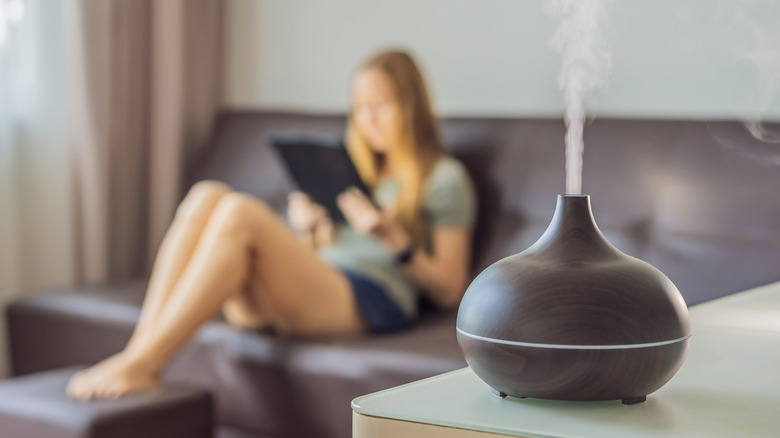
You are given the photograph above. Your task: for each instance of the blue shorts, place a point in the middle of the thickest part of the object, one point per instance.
(382, 314)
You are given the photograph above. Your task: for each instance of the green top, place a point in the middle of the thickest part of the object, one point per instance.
(450, 200)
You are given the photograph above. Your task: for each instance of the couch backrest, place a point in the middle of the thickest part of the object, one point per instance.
(699, 200)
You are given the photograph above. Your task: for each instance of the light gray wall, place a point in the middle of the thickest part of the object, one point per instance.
(672, 58)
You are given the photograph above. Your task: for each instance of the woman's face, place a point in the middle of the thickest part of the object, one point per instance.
(375, 108)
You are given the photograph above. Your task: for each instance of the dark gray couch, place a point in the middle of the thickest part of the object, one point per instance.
(696, 199)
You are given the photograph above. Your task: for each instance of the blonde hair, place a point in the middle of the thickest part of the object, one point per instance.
(414, 150)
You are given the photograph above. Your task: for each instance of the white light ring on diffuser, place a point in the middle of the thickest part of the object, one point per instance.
(571, 347)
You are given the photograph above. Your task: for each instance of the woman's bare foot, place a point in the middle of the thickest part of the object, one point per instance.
(118, 375)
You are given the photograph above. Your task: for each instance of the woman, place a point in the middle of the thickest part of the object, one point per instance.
(229, 251)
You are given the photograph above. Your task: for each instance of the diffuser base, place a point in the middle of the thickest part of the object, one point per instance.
(498, 393)
(634, 400)
(626, 401)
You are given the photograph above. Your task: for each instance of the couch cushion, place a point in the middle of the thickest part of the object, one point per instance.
(36, 406)
(260, 383)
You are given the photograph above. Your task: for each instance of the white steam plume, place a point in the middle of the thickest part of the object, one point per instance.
(752, 27)
(586, 64)
(766, 58)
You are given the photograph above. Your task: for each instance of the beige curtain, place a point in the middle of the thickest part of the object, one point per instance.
(146, 88)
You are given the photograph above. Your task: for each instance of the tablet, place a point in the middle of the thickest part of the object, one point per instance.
(320, 167)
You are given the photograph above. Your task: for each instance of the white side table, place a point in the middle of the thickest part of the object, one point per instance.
(756, 309)
(729, 386)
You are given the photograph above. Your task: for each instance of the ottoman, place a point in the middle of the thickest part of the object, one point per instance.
(36, 406)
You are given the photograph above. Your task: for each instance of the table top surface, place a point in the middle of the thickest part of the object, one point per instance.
(729, 386)
(756, 310)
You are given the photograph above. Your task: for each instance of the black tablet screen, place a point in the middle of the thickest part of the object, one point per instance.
(321, 168)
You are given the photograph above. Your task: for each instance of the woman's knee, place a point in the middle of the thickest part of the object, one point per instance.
(240, 213)
(201, 199)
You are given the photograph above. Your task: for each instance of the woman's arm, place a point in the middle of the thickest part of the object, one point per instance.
(442, 276)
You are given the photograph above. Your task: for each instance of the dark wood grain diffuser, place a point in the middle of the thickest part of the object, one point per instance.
(573, 318)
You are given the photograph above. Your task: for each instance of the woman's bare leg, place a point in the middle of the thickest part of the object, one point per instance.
(177, 247)
(242, 310)
(174, 253)
(304, 295)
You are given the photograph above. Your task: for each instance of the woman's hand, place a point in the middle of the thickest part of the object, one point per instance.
(365, 218)
(309, 220)
(303, 213)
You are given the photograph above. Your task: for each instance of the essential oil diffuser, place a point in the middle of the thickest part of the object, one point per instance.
(573, 318)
